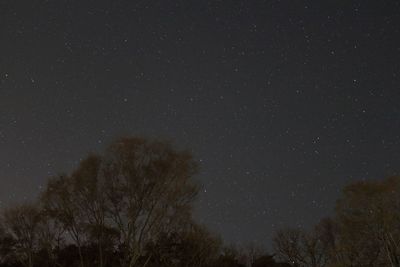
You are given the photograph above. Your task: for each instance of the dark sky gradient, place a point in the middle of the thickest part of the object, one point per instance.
(282, 102)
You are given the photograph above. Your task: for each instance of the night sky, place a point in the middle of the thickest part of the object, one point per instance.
(281, 102)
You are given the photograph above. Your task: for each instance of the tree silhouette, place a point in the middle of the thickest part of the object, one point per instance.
(124, 199)
(21, 223)
(368, 215)
(131, 206)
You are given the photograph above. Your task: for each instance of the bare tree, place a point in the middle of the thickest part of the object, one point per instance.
(60, 204)
(315, 251)
(149, 191)
(287, 245)
(7, 245)
(124, 198)
(301, 248)
(51, 237)
(21, 224)
(368, 217)
(192, 246)
(90, 199)
(253, 252)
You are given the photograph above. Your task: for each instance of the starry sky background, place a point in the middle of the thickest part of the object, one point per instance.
(281, 102)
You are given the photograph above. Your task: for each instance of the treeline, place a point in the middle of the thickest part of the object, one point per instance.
(364, 231)
(131, 206)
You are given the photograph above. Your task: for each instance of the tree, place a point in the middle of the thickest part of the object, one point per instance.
(21, 225)
(59, 203)
(193, 246)
(124, 199)
(89, 197)
(287, 245)
(51, 238)
(78, 203)
(7, 246)
(327, 231)
(252, 253)
(149, 191)
(230, 257)
(369, 218)
(198, 248)
(315, 251)
(301, 248)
